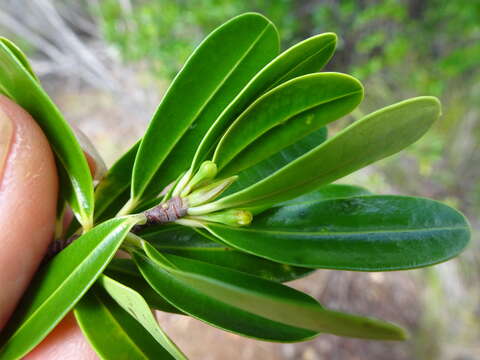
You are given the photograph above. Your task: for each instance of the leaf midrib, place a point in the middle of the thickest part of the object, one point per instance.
(192, 248)
(342, 233)
(291, 202)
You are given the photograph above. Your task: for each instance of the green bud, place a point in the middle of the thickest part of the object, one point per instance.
(209, 192)
(189, 223)
(232, 217)
(206, 172)
(182, 183)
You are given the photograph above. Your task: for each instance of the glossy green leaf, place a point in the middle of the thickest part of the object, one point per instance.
(112, 332)
(113, 190)
(63, 194)
(327, 192)
(18, 83)
(364, 233)
(126, 272)
(305, 57)
(371, 138)
(133, 303)
(291, 111)
(199, 303)
(174, 237)
(275, 162)
(200, 245)
(218, 69)
(282, 138)
(60, 284)
(249, 305)
(21, 57)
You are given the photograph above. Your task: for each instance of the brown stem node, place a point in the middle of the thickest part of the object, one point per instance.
(172, 210)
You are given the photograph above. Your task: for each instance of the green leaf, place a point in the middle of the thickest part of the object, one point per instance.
(113, 191)
(372, 138)
(60, 284)
(200, 245)
(275, 162)
(133, 303)
(218, 69)
(305, 57)
(22, 87)
(308, 56)
(21, 57)
(199, 303)
(284, 115)
(327, 192)
(364, 233)
(126, 272)
(112, 332)
(281, 139)
(249, 305)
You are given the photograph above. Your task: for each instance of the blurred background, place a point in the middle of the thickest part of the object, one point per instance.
(106, 63)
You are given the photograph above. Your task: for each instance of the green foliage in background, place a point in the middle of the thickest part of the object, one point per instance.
(164, 33)
(374, 36)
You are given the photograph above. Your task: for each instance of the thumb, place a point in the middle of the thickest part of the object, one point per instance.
(28, 197)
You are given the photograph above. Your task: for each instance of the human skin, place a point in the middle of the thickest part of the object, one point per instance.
(28, 196)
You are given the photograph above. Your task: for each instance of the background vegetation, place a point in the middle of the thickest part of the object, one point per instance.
(107, 62)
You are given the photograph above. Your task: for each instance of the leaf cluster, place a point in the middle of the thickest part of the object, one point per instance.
(238, 168)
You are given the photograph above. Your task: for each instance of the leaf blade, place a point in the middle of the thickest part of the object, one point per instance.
(60, 284)
(367, 140)
(133, 303)
(209, 70)
(275, 162)
(225, 317)
(267, 300)
(361, 233)
(97, 315)
(126, 272)
(21, 86)
(200, 245)
(327, 95)
(21, 57)
(305, 57)
(327, 192)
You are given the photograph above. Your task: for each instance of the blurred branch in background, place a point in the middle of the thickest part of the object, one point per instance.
(57, 37)
(106, 62)
(84, 73)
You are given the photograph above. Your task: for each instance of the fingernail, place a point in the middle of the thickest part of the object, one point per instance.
(6, 137)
